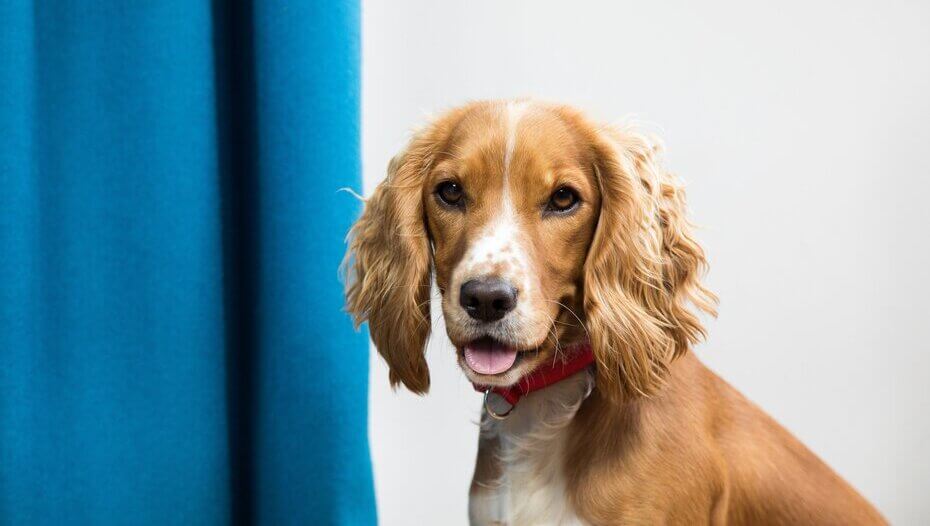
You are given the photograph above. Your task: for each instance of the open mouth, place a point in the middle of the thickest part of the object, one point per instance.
(489, 356)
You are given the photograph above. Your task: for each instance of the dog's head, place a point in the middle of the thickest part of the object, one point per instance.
(542, 230)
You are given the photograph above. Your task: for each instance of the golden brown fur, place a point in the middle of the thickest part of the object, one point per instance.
(660, 439)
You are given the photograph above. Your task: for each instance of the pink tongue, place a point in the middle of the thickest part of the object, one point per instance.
(489, 357)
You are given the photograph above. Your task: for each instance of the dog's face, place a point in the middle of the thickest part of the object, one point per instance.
(511, 213)
(541, 230)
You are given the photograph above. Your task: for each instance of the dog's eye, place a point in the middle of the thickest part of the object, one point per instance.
(450, 193)
(562, 200)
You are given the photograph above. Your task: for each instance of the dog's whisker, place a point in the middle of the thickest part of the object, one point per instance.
(558, 348)
(570, 311)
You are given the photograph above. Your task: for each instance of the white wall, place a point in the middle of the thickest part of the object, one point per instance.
(802, 130)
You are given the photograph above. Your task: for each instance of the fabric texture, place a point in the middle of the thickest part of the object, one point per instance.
(173, 346)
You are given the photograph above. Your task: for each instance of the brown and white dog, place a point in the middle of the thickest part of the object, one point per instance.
(547, 233)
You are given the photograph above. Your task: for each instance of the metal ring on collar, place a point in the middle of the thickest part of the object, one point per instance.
(491, 413)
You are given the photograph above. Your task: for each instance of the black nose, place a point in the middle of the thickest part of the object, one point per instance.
(487, 299)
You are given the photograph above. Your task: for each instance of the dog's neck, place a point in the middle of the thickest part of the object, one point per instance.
(546, 409)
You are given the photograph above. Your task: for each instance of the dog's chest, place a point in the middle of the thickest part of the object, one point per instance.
(530, 491)
(530, 487)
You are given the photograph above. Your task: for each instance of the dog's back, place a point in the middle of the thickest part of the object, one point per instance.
(700, 452)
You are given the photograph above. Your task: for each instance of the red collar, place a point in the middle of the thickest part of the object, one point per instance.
(544, 376)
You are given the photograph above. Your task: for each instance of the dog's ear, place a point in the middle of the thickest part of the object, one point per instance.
(642, 271)
(388, 268)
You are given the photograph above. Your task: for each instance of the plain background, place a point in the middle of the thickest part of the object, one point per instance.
(802, 131)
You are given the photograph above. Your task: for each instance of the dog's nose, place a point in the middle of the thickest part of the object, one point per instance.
(487, 299)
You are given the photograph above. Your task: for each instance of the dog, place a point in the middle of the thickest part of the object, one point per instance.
(571, 289)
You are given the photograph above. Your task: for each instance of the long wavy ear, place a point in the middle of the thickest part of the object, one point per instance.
(642, 272)
(388, 269)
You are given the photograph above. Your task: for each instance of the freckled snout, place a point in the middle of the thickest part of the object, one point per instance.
(487, 299)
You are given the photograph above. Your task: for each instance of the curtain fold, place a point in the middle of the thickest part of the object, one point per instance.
(173, 347)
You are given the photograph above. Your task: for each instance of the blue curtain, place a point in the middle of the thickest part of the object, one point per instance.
(173, 348)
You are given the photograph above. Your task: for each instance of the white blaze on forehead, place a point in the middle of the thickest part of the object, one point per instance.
(512, 115)
(502, 231)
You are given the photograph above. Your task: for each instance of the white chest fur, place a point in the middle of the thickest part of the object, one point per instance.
(531, 488)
